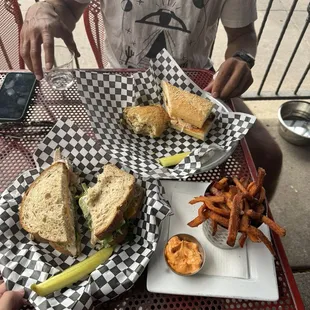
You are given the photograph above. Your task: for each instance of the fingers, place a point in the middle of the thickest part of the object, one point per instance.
(243, 86)
(30, 50)
(12, 300)
(25, 52)
(233, 79)
(222, 77)
(237, 81)
(35, 56)
(31, 53)
(209, 87)
(48, 46)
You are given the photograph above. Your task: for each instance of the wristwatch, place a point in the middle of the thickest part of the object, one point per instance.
(248, 58)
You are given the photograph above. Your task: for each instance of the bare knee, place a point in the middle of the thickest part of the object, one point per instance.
(275, 158)
(265, 152)
(271, 160)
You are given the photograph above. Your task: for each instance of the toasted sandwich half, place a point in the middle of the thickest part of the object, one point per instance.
(110, 206)
(48, 211)
(150, 120)
(189, 113)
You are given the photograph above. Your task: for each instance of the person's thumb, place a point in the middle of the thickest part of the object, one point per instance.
(67, 37)
(12, 300)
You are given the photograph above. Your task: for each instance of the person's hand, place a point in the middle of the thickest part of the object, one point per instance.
(42, 24)
(11, 300)
(233, 79)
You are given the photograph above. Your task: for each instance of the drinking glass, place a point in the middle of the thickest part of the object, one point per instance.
(60, 77)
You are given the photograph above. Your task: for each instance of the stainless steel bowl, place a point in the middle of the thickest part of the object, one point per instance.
(189, 238)
(294, 122)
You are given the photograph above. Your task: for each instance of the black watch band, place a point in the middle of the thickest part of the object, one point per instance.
(248, 58)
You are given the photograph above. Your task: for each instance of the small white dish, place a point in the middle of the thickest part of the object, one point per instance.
(190, 238)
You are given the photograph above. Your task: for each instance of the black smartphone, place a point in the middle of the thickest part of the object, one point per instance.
(15, 95)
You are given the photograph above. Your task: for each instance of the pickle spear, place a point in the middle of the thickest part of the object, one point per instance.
(172, 160)
(73, 273)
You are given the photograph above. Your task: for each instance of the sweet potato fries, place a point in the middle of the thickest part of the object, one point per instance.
(238, 206)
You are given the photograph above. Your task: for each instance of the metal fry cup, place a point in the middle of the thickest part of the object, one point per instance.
(220, 238)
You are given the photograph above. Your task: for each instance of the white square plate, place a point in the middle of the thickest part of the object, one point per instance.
(247, 273)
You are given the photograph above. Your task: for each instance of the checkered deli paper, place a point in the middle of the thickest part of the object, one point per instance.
(24, 262)
(105, 95)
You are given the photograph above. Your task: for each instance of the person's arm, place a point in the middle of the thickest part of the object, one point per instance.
(45, 21)
(241, 39)
(234, 76)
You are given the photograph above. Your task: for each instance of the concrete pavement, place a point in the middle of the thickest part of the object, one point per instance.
(303, 282)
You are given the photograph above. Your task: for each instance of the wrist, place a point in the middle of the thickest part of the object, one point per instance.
(240, 59)
(246, 57)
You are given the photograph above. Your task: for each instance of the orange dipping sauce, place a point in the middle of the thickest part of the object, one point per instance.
(183, 256)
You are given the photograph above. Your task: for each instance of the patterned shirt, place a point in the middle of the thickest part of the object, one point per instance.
(136, 30)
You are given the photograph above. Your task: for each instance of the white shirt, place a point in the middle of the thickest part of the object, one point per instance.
(136, 30)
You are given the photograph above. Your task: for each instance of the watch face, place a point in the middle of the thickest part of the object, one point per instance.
(248, 58)
(248, 54)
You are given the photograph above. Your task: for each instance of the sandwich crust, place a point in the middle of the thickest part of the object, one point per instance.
(115, 199)
(103, 231)
(149, 120)
(72, 249)
(107, 200)
(185, 106)
(46, 203)
(135, 204)
(46, 210)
